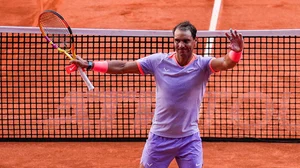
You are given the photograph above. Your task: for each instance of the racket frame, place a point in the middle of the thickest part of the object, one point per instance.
(72, 48)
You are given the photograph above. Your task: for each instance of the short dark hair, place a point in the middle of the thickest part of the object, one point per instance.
(186, 25)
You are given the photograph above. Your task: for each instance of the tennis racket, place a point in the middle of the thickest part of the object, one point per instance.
(58, 33)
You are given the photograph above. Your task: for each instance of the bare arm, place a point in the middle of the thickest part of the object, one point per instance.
(114, 67)
(222, 64)
(236, 45)
(122, 67)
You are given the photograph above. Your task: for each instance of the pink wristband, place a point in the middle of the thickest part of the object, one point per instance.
(100, 66)
(235, 56)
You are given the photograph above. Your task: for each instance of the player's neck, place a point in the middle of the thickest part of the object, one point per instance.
(183, 61)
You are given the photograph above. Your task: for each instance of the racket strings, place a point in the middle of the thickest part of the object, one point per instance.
(56, 29)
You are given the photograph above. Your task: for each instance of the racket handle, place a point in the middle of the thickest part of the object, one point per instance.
(86, 79)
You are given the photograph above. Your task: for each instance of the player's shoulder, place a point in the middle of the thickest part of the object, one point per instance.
(203, 61)
(203, 58)
(160, 56)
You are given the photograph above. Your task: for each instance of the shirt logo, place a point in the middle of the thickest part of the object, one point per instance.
(198, 164)
(190, 70)
(167, 70)
(150, 164)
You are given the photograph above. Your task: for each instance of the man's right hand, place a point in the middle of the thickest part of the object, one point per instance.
(75, 63)
(80, 62)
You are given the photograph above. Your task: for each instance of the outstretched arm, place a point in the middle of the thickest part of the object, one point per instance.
(112, 67)
(233, 56)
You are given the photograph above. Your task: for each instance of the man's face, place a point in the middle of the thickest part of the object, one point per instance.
(184, 43)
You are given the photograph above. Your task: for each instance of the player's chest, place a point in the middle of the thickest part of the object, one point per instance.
(178, 77)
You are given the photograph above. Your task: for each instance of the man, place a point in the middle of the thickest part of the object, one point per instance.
(181, 79)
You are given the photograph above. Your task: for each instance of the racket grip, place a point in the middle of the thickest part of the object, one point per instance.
(86, 79)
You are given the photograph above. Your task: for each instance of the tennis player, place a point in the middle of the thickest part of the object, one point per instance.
(181, 79)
